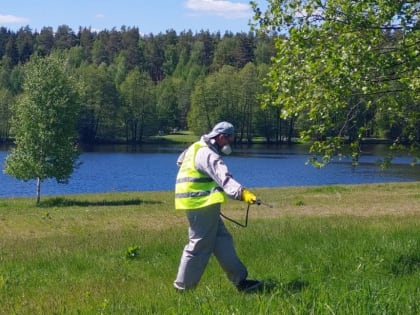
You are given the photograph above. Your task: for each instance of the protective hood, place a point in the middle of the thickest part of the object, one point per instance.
(223, 127)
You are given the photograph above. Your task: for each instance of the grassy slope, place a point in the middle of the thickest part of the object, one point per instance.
(324, 250)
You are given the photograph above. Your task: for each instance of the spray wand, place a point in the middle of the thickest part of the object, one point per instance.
(259, 202)
(244, 225)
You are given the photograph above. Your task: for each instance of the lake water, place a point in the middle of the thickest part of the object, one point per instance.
(155, 170)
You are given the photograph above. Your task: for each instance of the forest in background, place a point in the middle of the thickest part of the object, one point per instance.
(137, 86)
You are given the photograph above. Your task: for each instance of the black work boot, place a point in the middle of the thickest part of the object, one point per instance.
(249, 286)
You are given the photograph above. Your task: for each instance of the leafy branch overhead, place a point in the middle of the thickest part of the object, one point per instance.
(343, 68)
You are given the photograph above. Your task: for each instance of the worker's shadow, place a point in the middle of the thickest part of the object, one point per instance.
(294, 286)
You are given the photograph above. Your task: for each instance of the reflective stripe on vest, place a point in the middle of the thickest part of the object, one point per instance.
(193, 189)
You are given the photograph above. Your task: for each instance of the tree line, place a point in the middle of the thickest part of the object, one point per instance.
(136, 86)
(339, 72)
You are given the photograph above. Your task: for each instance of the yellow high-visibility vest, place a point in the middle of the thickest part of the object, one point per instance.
(193, 189)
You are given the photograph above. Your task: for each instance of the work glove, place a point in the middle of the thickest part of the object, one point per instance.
(248, 197)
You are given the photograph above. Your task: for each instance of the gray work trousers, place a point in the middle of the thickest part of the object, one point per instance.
(208, 235)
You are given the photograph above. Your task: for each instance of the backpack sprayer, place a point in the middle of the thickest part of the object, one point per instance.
(244, 225)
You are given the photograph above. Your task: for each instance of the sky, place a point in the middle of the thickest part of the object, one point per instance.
(150, 16)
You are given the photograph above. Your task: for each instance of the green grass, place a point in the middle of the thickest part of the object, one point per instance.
(185, 138)
(180, 137)
(341, 250)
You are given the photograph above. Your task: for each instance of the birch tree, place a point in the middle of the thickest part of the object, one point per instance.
(43, 125)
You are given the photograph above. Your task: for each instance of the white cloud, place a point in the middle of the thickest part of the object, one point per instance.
(226, 9)
(11, 19)
(100, 16)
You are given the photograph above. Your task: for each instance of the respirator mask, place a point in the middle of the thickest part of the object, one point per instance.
(226, 149)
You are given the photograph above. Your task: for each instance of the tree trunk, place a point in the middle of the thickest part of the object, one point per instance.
(38, 190)
(291, 129)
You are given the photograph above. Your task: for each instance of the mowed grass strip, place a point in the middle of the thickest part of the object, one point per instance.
(323, 250)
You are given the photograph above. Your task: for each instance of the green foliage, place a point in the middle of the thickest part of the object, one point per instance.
(167, 105)
(341, 64)
(6, 99)
(101, 103)
(138, 105)
(228, 94)
(44, 123)
(299, 202)
(344, 71)
(103, 61)
(132, 252)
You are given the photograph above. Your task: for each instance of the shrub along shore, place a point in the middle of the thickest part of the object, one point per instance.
(345, 249)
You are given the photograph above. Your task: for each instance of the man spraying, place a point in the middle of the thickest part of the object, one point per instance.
(203, 183)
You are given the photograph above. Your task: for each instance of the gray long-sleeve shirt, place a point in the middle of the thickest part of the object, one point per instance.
(209, 161)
